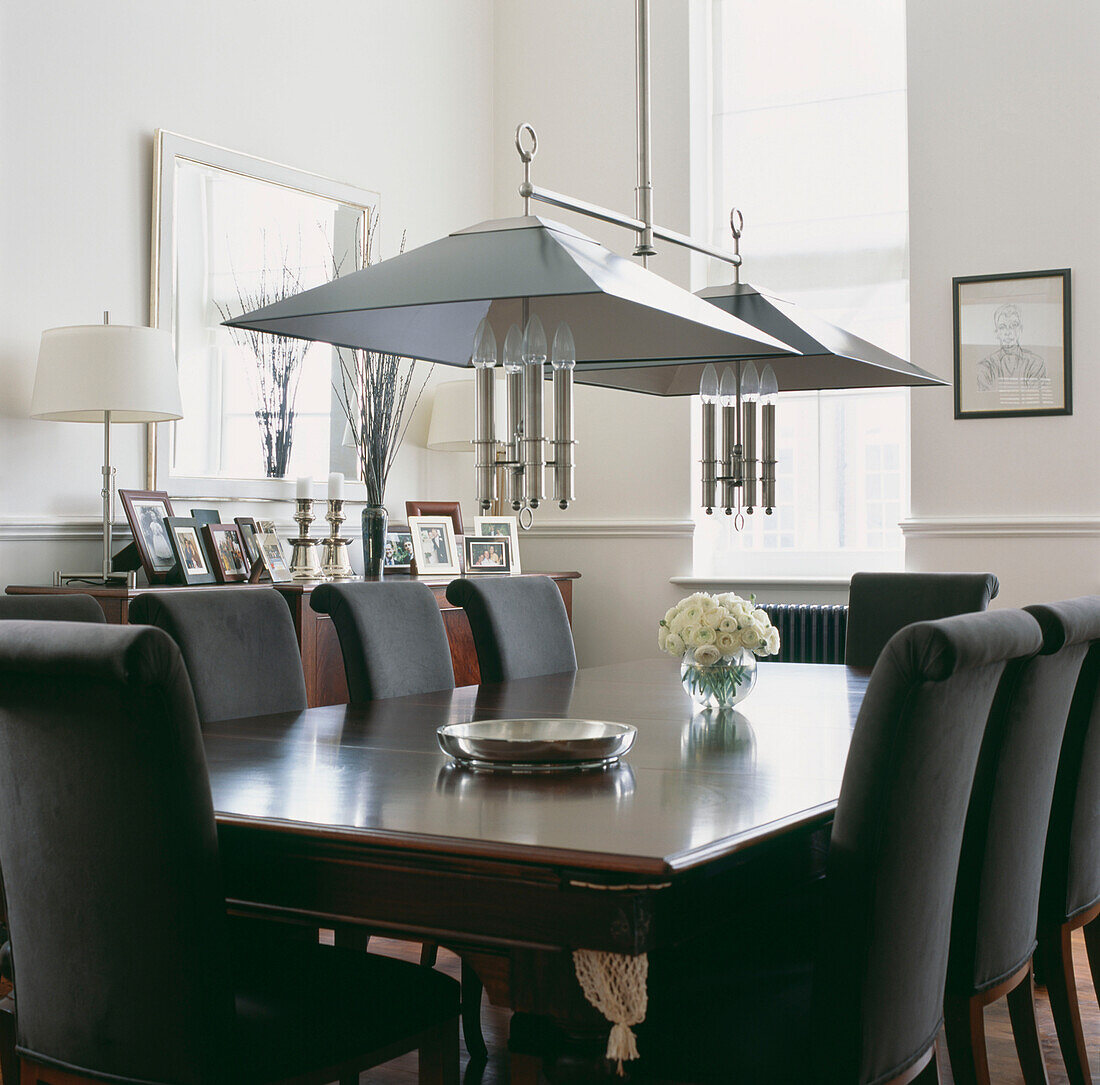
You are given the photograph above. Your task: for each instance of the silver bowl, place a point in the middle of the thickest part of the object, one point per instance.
(536, 744)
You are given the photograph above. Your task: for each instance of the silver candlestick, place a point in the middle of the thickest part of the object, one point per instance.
(303, 557)
(335, 559)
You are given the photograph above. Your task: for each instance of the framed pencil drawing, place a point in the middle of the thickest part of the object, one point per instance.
(1013, 344)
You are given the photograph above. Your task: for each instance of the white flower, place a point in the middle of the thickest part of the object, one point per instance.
(662, 637)
(741, 609)
(750, 637)
(707, 654)
(674, 644)
(728, 624)
(703, 635)
(679, 623)
(671, 613)
(708, 603)
(714, 617)
(692, 613)
(762, 617)
(772, 643)
(727, 643)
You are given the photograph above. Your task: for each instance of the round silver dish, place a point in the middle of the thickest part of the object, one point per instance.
(536, 745)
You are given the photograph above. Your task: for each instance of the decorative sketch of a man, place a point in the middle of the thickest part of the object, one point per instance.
(1012, 362)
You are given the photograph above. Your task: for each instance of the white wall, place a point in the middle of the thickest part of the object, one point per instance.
(568, 68)
(392, 97)
(1004, 168)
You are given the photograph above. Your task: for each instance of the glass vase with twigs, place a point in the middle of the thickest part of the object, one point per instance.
(378, 393)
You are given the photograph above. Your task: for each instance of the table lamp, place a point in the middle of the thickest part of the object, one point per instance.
(106, 373)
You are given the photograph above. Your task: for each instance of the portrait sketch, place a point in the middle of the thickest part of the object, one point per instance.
(1012, 344)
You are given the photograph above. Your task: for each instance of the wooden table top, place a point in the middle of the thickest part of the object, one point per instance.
(692, 790)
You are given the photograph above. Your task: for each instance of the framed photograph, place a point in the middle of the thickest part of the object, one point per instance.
(273, 557)
(1013, 344)
(506, 527)
(488, 554)
(434, 547)
(191, 559)
(223, 542)
(398, 555)
(248, 529)
(451, 509)
(265, 527)
(146, 511)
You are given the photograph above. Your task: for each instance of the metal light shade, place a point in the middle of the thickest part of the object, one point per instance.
(824, 355)
(427, 303)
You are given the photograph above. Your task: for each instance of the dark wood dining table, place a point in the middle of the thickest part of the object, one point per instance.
(352, 815)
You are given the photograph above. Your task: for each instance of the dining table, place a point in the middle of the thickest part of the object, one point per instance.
(353, 815)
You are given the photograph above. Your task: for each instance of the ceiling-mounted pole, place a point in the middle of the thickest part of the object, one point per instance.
(643, 193)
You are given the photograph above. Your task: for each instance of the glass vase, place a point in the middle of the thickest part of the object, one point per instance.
(718, 685)
(375, 520)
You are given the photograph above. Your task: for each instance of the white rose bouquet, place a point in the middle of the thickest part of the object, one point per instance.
(715, 627)
(704, 630)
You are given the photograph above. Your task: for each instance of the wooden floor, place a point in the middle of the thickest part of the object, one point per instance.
(1002, 1053)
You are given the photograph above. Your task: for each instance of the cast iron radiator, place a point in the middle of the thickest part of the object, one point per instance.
(809, 632)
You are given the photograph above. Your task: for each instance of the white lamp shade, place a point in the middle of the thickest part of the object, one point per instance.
(452, 426)
(87, 370)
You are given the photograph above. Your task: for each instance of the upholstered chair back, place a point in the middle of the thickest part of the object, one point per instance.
(51, 608)
(520, 626)
(238, 644)
(997, 896)
(896, 838)
(1071, 866)
(110, 855)
(879, 604)
(391, 637)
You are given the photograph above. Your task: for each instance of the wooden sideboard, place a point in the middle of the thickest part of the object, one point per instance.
(322, 662)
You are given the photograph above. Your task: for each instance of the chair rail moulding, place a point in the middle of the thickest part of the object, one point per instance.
(1000, 526)
(84, 529)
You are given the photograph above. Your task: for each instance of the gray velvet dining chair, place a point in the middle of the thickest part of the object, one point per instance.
(879, 604)
(845, 985)
(238, 644)
(391, 637)
(1070, 896)
(101, 756)
(69, 607)
(993, 925)
(520, 625)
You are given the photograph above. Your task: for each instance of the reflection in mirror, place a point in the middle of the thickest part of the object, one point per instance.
(233, 233)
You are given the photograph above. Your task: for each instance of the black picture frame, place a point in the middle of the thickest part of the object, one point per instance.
(399, 538)
(192, 561)
(246, 525)
(479, 546)
(1003, 377)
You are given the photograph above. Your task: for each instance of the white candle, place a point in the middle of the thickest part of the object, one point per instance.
(336, 486)
(305, 487)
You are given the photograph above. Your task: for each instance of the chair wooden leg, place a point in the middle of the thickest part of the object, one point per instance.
(930, 1075)
(439, 1055)
(471, 1015)
(1021, 1009)
(1056, 955)
(1091, 932)
(964, 1023)
(429, 953)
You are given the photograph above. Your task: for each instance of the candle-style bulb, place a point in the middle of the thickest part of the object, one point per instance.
(750, 383)
(708, 384)
(727, 390)
(485, 346)
(513, 350)
(564, 354)
(534, 342)
(769, 386)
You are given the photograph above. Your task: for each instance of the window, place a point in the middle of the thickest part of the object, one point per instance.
(808, 139)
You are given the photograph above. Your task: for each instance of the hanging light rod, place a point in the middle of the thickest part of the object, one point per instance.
(616, 218)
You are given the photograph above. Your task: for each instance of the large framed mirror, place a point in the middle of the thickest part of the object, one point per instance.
(232, 232)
